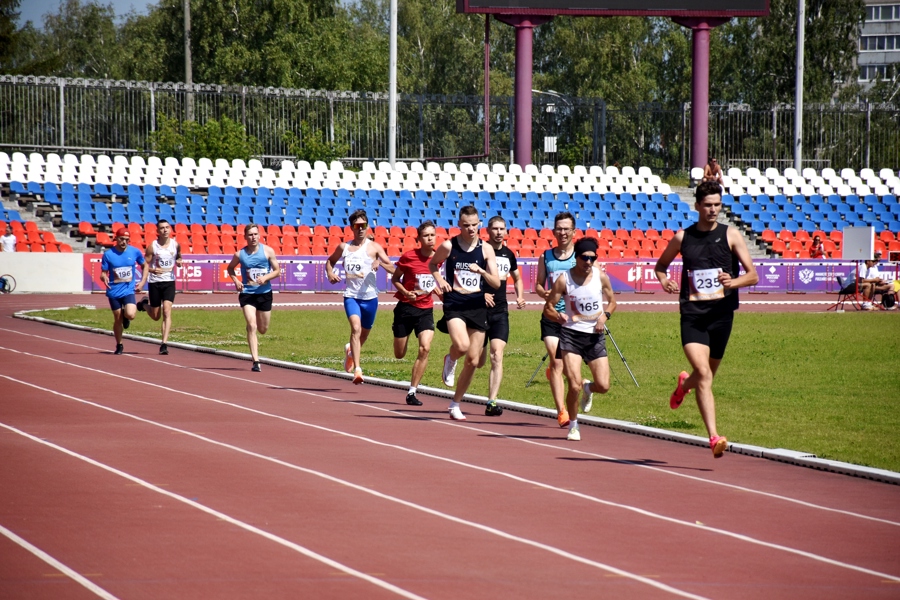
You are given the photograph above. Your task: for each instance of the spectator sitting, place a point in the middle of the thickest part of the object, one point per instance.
(712, 171)
(8, 242)
(871, 282)
(816, 249)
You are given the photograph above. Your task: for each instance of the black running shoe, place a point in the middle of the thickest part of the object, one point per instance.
(126, 323)
(256, 368)
(119, 349)
(142, 305)
(164, 349)
(412, 400)
(493, 409)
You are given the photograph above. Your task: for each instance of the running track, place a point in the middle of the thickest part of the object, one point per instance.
(184, 476)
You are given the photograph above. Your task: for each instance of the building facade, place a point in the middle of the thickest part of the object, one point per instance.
(879, 42)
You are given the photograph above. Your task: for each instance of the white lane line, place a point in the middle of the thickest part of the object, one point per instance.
(568, 449)
(210, 511)
(71, 573)
(327, 477)
(530, 482)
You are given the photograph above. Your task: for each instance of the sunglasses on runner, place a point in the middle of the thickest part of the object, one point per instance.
(588, 257)
(360, 226)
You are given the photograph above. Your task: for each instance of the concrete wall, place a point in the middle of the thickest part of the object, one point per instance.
(42, 272)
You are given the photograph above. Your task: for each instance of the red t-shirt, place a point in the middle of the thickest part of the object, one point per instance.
(416, 275)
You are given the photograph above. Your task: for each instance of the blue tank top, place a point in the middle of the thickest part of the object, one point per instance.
(554, 266)
(252, 266)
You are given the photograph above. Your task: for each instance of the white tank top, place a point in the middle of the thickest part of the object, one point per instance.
(361, 279)
(584, 303)
(164, 258)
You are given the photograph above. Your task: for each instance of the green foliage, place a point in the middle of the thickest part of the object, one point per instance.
(214, 139)
(310, 146)
(765, 395)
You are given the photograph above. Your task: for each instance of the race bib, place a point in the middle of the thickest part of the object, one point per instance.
(705, 285)
(585, 307)
(123, 274)
(166, 262)
(466, 282)
(425, 283)
(354, 267)
(253, 274)
(503, 268)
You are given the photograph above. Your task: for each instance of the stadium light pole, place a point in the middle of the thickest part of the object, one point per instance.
(798, 92)
(188, 68)
(392, 88)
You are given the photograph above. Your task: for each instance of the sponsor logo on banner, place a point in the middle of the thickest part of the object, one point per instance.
(773, 275)
(806, 275)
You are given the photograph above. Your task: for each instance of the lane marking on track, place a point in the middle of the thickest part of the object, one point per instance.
(201, 507)
(530, 482)
(476, 429)
(67, 571)
(442, 515)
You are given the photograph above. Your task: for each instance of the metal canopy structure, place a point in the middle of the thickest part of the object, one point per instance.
(698, 15)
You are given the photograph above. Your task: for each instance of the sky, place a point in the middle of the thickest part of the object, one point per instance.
(34, 10)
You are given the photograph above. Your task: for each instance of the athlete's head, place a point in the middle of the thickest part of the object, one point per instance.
(163, 228)
(469, 220)
(586, 253)
(564, 228)
(497, 229)
(708, 202)
(586, 244)
(122, 238)
(251, 234)
(426, 234)
(359, 223)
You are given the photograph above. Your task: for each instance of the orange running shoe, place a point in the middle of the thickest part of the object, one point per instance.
(357, 377)
(678, 395)
(719, 445)
(563, 418)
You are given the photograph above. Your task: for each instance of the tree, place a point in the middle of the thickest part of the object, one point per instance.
(214, 139)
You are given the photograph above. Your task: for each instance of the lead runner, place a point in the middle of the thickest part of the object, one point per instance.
(708, 297)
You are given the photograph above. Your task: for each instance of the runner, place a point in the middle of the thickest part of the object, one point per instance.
(550, 264)
(361, 259)
(162, 256)
(469, 262)
(498, 311)
(583, 289)
(415, 310)
(710, 280)
(117, 275)
(258, 268)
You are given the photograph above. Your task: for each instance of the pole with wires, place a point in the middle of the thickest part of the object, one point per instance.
(622, 356)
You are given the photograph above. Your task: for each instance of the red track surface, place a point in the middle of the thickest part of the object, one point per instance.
(187, 476)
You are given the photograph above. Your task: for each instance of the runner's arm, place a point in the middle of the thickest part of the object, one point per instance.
(235, 261)
(662, 265)
(490, 274)
(332, 260)
(519, 285)
(440, 255)
(610, 296)
(274, 266)
(539, 288)
(739, 247)
(553, 295)
(385, 260)
(395, 280)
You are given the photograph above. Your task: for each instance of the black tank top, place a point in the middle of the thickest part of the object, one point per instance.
(707, 250)
(457, 273)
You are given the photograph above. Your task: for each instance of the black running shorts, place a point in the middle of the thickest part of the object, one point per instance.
(262, 302)
(550, 328)
(711, 330)
(497, 326)
(409, 318)
(475, 318)
(161, 291)
(589, 346)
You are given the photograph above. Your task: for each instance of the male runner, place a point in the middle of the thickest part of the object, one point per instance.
(708, 298)
(117, 275)
(361, 259)
(583, 288)
(415, 310)
(258, 268)
(469, 261)
(162, 256)
(550, 264)
(498, 311)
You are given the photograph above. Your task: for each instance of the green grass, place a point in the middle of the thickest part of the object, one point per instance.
(821, 383)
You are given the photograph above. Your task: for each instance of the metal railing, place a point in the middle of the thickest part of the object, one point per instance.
(50, 114)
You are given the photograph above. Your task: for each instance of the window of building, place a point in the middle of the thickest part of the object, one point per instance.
(872, 72)
(869, 43)
(883, 12)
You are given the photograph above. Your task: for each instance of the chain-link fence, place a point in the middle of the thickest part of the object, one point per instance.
(49, 114)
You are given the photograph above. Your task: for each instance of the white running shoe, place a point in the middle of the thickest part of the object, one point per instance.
(456, 414)
(574, 434)
(348, 359)
(587, 397)
(449, 371)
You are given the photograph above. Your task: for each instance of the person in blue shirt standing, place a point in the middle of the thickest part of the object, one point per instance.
(118, 266)
(258, 268)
